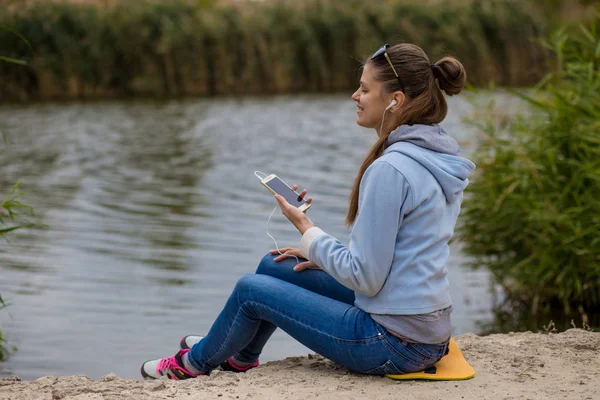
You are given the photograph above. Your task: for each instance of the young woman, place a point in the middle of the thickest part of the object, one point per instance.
(382, 304)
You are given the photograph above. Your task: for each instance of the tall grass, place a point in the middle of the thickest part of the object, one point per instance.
(533, 213)
(199, 48)
(5, 349)
(10, 207)
(13, 215)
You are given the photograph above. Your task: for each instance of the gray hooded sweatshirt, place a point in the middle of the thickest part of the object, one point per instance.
(434, 327)
(395, 263)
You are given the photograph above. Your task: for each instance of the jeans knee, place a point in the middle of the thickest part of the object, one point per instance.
(245, 283)
(253, 288)
(246, 280)
(266, 265)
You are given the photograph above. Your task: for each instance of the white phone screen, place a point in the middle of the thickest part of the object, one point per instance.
(281, 188)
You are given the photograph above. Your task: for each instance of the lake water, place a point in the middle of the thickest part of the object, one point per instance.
(153, 213)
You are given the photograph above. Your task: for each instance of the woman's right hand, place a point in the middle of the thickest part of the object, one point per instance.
(291, 252)
(285, 253)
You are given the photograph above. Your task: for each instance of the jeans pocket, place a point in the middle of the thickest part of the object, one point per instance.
(362, 341)
(409, 361)
(426, 351)
(387, 367)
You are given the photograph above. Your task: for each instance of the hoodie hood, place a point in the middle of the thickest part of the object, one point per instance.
(450, 170)
(432, 137)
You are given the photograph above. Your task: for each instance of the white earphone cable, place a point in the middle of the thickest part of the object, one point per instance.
(260, 177)
(393, 103)
(276, 245)
(382, 119)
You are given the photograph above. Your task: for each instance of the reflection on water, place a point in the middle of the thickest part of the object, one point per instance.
(154, 212)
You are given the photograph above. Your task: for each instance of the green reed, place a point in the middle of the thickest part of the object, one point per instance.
(199, 48)
(5, 349)
(10, 207)
(532, 215)
(14, 215)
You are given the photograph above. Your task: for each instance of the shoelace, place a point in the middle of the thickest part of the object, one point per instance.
(169, 366)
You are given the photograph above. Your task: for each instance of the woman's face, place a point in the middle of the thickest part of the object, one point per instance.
(371, 102)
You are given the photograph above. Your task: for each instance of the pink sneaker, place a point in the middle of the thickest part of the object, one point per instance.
(229, 365)
(172, 367)
(187, 342)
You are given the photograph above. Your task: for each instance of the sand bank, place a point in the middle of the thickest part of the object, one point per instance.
(509, 366)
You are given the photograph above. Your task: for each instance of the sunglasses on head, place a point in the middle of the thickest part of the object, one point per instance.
(383, 51)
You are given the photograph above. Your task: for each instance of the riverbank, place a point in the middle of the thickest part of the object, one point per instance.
(520, 365)
(205, 48)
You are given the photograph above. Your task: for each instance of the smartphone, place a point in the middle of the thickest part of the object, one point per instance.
(276, 185)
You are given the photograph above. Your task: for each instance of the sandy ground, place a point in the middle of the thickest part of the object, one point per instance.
(510, 366)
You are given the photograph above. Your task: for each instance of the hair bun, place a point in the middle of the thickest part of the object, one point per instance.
(451, 75)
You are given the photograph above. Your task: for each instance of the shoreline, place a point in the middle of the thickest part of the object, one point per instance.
(515, 365)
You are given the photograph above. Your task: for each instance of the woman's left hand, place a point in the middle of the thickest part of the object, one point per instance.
(296, 217)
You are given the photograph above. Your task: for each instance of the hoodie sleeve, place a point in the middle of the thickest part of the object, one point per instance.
(364, 265)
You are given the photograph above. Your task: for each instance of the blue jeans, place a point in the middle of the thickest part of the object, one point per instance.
(314, 309)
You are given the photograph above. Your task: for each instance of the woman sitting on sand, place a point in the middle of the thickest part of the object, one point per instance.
(381, 305)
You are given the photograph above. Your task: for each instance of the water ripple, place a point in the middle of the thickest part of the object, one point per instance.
(154, 212)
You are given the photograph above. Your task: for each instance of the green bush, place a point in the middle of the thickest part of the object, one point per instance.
(532, 215)
(185, 47)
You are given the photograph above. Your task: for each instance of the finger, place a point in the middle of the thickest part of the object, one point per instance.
(284, 256)
(309, 200)
(294, 187)
(283, 204)
(302, 266)
(282, 250)
(277, 252)
(280, 198)
(279, 201)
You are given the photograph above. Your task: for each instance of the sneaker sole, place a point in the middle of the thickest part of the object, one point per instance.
(183, 344)
(144, 373)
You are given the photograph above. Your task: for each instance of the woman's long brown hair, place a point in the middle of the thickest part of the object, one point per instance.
(425, 103)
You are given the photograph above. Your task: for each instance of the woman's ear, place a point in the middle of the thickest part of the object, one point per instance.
(400, 99)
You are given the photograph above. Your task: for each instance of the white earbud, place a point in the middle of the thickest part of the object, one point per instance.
(392, 104)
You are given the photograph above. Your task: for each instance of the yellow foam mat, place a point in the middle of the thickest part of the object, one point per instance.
(452, 367)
